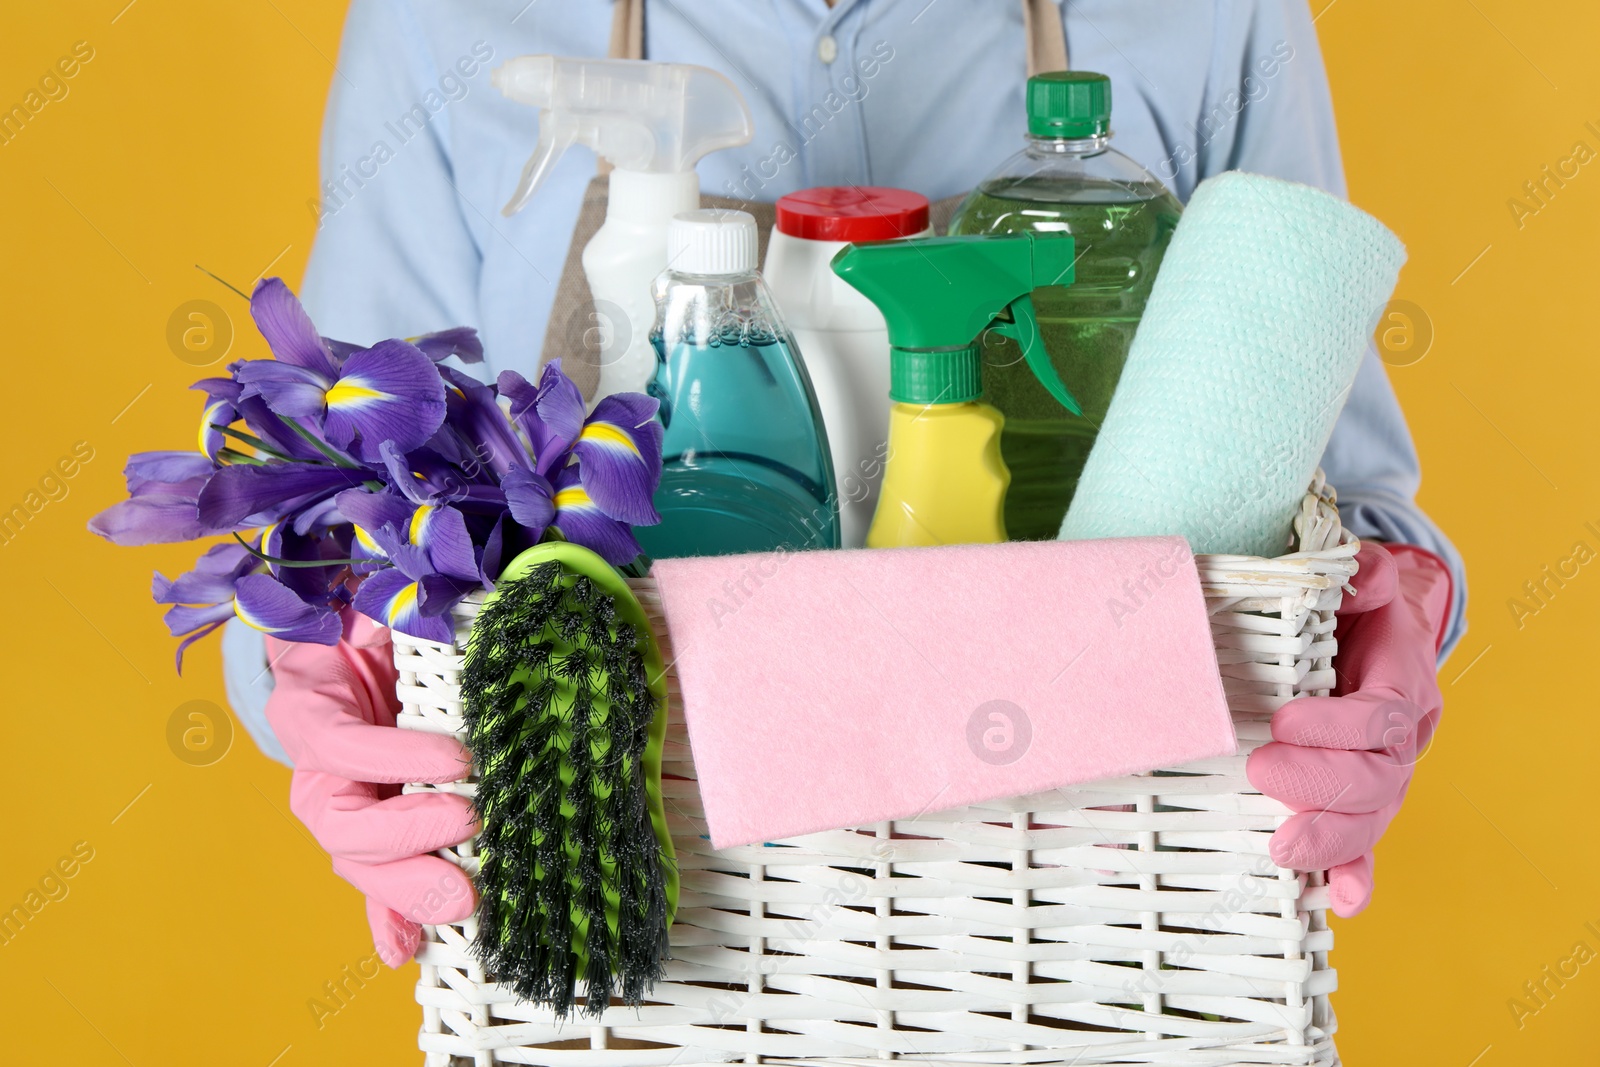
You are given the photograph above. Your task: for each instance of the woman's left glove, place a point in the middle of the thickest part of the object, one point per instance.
(1343, 763)
(334, 710)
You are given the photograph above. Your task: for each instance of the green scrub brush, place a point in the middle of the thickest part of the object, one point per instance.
(564, 697)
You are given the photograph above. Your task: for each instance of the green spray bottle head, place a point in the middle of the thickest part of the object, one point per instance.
(940, 295)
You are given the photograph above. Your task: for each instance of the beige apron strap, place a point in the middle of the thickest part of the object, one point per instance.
(627, 30)
(627, 42)
(940, 212)
(1046, 30)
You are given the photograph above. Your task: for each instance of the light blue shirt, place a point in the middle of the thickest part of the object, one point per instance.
(419, 152)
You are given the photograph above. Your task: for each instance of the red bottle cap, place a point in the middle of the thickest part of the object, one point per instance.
(852, 213)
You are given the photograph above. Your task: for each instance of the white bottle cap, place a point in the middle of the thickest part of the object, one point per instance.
(712, 241)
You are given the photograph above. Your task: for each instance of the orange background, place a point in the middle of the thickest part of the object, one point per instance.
(206, 920)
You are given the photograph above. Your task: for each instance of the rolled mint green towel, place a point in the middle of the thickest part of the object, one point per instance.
(1248, 347)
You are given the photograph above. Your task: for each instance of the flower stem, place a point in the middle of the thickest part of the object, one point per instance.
(251, 440)
(230, 285)
(320, 445)
(281, 562)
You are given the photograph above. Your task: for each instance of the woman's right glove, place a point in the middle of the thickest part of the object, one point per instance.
(333, 709)
(1343, 763)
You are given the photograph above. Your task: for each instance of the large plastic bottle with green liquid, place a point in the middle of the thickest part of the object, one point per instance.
(1068, 179)
(746, 463)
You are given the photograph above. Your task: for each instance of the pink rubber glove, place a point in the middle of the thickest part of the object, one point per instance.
(1343, 763)
(333, 709)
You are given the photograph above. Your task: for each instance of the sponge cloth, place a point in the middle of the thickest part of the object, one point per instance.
(1255, 328)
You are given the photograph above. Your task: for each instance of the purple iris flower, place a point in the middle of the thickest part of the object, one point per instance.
(462, 342)
(425, 477)
(385, 519)
(550, 415)
(163, 488)
(246, 495)
(412, 596)
(582, 520)
(590, 477)
(380, 470)
(477, 434)
(427, 543)
(359, 398)
(228, 582)
(530, 498)
(225, 404)
(368, 510)
(619, 455)
(315, 585)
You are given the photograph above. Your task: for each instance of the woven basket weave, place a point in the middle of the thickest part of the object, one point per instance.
(1003, 933)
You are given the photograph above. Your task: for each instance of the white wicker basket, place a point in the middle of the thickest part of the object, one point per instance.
(1001, 933)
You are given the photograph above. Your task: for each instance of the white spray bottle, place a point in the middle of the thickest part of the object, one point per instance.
(653, 122)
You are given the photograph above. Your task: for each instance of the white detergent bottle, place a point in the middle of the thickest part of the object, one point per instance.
(841, 332)
(653, 122)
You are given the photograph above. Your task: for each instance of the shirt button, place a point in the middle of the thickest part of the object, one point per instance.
(828, 49)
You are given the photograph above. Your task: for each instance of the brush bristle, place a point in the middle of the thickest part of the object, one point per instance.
(572, 886)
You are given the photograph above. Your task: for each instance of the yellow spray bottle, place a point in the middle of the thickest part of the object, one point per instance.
(944, 482)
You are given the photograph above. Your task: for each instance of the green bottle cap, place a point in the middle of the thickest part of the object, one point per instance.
(948, 376)
(1069, 103)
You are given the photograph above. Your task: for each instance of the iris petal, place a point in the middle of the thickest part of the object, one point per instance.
(218, 413)
(372, 510)
(551, 415)
(264, 604)
(619, 455)
(290, 391)
(459, 341)
(222, 397)
(212, 579)
(218, 389)
(442, 533)
(170, 469)
(204, 631)
(391, 599)
(186, 618)
(582, 521)
(528, 496)
(236, 493)
(324, 514)
(163, 507)
(390, 392)
(438, 593)
(288, 329)
(474, 412)
(151, 518)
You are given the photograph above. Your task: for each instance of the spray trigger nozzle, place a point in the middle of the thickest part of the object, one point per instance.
(642, 116)
(1018, 322)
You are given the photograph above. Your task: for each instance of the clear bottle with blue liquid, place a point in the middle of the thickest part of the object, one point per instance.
(746, 464)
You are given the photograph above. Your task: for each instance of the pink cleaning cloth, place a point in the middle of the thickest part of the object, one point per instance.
(834, 689)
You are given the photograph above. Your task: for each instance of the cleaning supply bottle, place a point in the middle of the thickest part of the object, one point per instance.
(745, 457)
(1069, 180)
(653, 122)
(945, 299)
(840, 331)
